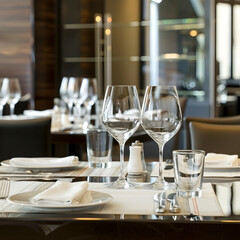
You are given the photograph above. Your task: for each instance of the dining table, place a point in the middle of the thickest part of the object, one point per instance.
(213, 215)
(217, 209)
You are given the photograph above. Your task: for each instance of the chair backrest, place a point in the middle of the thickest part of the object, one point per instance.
(215, 138)
(12, 230)
(25, 138)
(233, 120)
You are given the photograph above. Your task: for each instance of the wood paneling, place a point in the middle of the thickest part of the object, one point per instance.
(16, 42)
(45, 19)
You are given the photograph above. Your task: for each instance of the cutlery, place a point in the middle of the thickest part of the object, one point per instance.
(174, 206)
(160, 198)
(4, 190)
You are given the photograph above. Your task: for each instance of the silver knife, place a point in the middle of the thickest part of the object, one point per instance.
(174, 206)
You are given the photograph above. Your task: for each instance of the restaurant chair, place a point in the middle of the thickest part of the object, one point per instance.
(25, 138)
(12, 230)
(117, 230)
(232, 120)
(215, 138)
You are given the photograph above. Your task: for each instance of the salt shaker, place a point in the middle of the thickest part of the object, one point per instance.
(137, 143)
(135, 166)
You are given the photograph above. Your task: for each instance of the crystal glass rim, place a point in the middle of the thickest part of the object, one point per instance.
(188, 151)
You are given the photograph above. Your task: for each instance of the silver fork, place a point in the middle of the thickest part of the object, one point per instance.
(4, 189)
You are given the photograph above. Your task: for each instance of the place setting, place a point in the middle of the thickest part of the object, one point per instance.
(61, 195)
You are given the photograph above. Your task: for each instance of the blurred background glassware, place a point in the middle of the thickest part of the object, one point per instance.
(161, 118)
(63, 91)
(188, 171)
(88, 96)
(120, 116)
(73, 91)
(4, 93)
(99, 148)
(15, 93)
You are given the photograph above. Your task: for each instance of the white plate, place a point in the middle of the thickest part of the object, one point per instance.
(6, 163)
(91, 198)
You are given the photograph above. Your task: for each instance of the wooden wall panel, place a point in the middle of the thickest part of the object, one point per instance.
(45, 19)
(16, 42)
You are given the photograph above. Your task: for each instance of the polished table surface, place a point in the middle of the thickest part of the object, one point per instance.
(135, 225)
(227, 189)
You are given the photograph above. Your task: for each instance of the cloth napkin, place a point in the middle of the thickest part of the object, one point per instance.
(220, 160)
(62, 193)
(36, 113)
(44, 162)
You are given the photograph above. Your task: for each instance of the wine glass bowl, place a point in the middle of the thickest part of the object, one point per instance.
(161, 118)
(88, 96)
(120, 116)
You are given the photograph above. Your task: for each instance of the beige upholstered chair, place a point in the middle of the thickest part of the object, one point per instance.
(233, 120)
(215, 138)
(25, 138)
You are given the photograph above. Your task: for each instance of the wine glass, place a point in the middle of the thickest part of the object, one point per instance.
(120, 116)
(88, 94)
(4, 93)
(65, 96)
(73, 91)
(14, 94)
(161, 118)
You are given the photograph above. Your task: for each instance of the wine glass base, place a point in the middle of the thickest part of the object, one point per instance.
(119, 184)
(160, 185)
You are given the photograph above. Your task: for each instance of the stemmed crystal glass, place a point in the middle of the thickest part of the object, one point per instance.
(4, 93)
(14, 94)
(88, 94)
(64, 94)
(120, 116)
(161, 118)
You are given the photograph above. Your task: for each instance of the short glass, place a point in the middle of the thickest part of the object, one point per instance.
(188, 172)
(99, 148)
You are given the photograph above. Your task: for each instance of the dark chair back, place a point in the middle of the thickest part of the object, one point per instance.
(215, 138)
(25, 138)
(233, 120)
(12, 230)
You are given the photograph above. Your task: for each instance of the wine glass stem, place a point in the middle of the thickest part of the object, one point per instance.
(12, 105)
(1, 109)
(88, 115)
(160, 178)
(121, 174)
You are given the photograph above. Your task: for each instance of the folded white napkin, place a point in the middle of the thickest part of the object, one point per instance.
(62, 193)
(220, 160)
(44, 162)
(36, 113)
